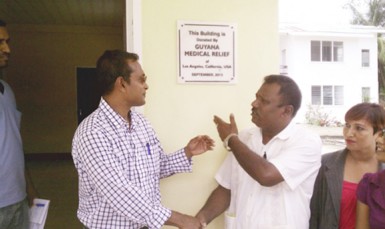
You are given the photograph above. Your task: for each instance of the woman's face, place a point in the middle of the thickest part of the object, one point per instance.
(380, 146)
(359, 135)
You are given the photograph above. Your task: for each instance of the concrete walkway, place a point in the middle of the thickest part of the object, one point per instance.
(326, 131)
(332, 137)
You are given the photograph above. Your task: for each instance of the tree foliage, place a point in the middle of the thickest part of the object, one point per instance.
(375, 16)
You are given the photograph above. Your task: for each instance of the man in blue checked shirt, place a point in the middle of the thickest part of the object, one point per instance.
(119, 158)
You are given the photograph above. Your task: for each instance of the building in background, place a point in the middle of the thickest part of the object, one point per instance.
(335, 67)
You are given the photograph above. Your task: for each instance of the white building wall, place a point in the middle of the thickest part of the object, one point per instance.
(347, 73)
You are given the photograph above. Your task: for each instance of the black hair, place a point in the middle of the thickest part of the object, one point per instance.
(289, 91)
(111, 65)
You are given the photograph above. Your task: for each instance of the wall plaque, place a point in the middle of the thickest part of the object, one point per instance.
(206, 52)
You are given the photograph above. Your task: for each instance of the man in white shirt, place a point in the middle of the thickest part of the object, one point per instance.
(267, 180)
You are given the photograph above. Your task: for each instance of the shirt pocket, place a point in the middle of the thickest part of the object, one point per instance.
(151, 159)
(274, 209)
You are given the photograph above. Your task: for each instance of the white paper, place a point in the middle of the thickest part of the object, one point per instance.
(38, 213)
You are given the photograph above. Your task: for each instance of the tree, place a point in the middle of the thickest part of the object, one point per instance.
(374, 16)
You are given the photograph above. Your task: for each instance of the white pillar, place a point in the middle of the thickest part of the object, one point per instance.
(133, 31)
(133, 26)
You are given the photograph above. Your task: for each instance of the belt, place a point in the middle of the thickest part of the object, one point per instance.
(140, 228)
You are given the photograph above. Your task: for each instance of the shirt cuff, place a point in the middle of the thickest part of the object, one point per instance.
(159, 217)
(183, 162)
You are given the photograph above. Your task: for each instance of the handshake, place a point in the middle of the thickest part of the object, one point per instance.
(183, 221)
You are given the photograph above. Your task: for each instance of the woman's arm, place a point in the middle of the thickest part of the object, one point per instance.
(362, 218)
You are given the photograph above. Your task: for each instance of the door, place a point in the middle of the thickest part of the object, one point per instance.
(88, 97)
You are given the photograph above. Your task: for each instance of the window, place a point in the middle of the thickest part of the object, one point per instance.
(338, 95)
(338, 51)
(327, 95)
(315, 50)
(366, 94)
(327, 51)
(365, 58)
(316, 95)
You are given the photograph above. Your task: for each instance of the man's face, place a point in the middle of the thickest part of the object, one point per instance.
(136, 88)
(4, 47)
(267, 107)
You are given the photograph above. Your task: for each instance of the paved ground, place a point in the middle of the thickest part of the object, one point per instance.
(326, 131)
(332, 137)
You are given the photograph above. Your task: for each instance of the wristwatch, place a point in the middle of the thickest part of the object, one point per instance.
(226, 141)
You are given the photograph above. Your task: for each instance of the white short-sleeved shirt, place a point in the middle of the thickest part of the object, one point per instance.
(296, 153)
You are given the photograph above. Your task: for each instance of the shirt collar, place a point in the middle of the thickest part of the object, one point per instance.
(116, 119)
(378, 178)
(286, 132)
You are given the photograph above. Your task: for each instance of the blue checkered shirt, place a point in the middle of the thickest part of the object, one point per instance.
(119, 168)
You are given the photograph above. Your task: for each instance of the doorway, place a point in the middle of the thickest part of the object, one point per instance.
(88, 97)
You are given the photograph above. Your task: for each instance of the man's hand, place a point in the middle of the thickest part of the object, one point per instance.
(225, 129)
(199, 145)
(202, 221)
(190, 222)
(183, 221)
(31, 191)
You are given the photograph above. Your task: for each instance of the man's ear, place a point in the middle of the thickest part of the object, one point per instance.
(119, 83)
(289, 110)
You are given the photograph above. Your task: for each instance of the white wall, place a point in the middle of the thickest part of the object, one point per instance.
(180, 111)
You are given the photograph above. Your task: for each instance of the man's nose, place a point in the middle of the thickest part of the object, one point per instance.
(4, 47)
(255, 103)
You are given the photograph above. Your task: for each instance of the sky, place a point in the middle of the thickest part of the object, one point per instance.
(314, 11)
